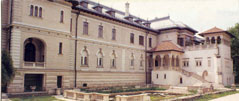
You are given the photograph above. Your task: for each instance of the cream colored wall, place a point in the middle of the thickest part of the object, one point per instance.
(172, 78)
(172, 36)
(50, 14)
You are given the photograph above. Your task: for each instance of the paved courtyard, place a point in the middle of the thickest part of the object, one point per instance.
(234, 97)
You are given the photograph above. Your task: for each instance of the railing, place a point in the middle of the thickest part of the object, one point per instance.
(34, 65)
(188, 74)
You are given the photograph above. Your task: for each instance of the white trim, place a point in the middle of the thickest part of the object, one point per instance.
(109, 43)
(44, 28)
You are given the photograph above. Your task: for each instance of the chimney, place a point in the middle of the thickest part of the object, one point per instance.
(127, 9)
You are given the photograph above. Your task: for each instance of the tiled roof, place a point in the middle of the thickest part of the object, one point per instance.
(215, 30)
(167, 46)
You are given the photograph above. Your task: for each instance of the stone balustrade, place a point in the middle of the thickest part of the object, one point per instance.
(140, 97)
(34, 65)
(82, 96)
(200, 47)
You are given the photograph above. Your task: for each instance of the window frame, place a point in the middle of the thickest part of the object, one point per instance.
(60, 48)
(62, 16)
(132, 38)
(141, 40)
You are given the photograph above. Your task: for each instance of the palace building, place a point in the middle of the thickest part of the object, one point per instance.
(79, 43)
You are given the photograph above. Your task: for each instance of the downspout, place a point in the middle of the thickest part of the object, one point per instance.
(146, 58)
(76, 49)
(10, 25)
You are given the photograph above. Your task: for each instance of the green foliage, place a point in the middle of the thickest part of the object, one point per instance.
(119, 90)
(8, 71)
(214, 96)
(36, 98)
(235, 50)
(193, 91)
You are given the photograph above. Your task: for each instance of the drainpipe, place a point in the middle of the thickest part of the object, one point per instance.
(75, 70)
(146, 58)
(10, 25)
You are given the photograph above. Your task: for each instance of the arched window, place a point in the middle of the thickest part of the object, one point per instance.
(30, 52)
(213, 40)
(177, 61)
(157, 61)
(31, 10)
(40, 12)
(166, 61)
(207, 40)
(173, 60)
(132, 60)
(84, 57)
(36, 11)
(100, 59)
(218, 40)
(113, 59)
(62, 16)
(34, 50)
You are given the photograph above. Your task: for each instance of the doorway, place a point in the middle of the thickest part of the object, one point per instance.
(59, 81)
(33, 81)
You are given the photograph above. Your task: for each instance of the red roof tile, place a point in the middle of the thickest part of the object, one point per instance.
(215, 30)
(167, 46)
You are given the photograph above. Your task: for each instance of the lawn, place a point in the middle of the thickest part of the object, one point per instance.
(158, 97)
(36, 98)
(214, 96)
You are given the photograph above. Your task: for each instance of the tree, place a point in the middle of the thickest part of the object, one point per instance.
(235, 50)
(8, 71)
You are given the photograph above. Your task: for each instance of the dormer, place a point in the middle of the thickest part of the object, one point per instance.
(129, 18)
(138, 21)
(98, 8)
(84, 4)
(147, 24)
(111, 12)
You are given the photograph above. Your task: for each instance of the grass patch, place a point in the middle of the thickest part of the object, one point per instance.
(36, 98)
(193, 91)
(119, 90)
(159, 97)
(214, 96)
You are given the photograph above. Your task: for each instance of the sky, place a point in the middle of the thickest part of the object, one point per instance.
(198, 14)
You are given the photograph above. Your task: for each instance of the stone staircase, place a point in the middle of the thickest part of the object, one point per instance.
(190, 74)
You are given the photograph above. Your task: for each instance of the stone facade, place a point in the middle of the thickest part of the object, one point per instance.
(47, 41)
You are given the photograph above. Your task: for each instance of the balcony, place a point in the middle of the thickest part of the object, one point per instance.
(34, 65)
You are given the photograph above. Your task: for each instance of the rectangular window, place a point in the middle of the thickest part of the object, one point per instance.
(71, 25)
(62, 16)
(150, 42)
(113, 64)
(157, 76)
(141, 40)
(85, 28)
(113, 34)
(131, 37)
(165, 76)
(60, 48)
(31, 10)
(40, 12)
(36, 11)
(141, 63)
(100, 31)
(198, 63)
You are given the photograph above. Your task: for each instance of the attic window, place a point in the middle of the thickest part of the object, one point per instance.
(129, 18)
(138, 21)
(111, 13)
(84, 4)
(98, 8)
(147, 24)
